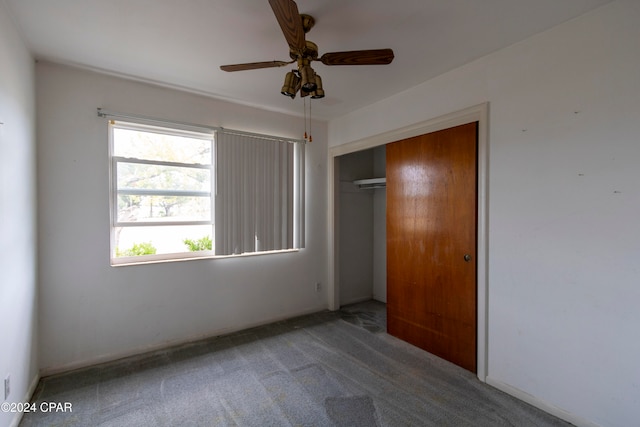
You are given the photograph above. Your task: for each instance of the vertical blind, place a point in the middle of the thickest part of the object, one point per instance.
(259, 200)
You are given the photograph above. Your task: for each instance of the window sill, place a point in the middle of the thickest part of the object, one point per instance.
(166, 258)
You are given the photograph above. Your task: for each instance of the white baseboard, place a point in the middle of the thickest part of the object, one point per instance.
(48, 371)
(540, 404)
(29, 394)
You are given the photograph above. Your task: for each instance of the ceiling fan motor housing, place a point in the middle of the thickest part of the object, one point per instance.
(309, 52)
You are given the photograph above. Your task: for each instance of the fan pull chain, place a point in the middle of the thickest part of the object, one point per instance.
(304, 110)
(310, 137)
(307, 136)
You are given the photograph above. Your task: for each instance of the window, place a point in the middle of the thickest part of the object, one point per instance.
(179, 194)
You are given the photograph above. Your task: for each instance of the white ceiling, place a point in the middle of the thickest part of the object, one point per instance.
(182, 43)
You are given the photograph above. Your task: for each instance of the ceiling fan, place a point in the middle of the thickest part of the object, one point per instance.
(304, 79)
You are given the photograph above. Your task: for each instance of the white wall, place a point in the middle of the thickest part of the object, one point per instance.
(18, 298)
(91, 311)
(564, 203)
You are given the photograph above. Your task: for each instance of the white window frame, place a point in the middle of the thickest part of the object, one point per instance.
(114, 192)
(185, 129)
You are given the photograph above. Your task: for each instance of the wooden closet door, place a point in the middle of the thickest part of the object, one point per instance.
(431, 242)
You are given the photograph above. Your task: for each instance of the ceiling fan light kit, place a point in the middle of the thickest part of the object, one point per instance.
(294, 26)
(309, 85)
(319, 92)
(308, 78)
(291, 84)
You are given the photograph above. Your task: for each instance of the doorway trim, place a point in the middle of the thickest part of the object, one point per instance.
(478, 113)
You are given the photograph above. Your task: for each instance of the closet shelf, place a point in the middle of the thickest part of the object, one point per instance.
(371, 183)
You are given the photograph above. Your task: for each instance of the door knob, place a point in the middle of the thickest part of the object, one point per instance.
(467, 257)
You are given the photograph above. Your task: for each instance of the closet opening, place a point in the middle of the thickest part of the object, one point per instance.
(361, 220)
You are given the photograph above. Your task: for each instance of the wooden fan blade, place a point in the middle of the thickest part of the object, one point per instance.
(358, 57)
(288, 17)
(254, 65)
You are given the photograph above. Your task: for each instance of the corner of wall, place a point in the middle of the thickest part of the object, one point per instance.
(18, 293)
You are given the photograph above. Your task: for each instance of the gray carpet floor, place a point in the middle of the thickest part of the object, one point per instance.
(326, 369)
